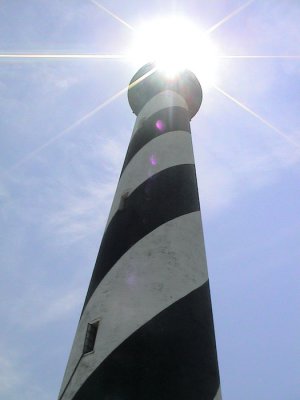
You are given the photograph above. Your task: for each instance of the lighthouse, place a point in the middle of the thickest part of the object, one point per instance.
(146, 329)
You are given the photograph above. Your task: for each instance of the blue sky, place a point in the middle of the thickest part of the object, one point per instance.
(59, 170)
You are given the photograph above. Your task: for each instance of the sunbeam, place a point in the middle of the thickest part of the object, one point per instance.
(262, 57)
(63, 56)
(112, 14)
(65, 131)
(32, 154)
(142, 78)
(261, 119)
(229, 16)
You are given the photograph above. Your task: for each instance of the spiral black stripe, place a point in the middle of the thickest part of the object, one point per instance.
(171, 357)
(166, 195)
(165, 120)
(156, 337)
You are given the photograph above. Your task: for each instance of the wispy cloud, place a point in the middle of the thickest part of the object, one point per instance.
(16, 381)
(41, 306)
(226, 173)
(85, 204)
(10, 376)
(84, 211)
(234, 159)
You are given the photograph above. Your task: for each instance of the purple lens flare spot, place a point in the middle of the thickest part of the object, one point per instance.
(153, 160)
(131, 279)
(160, 125)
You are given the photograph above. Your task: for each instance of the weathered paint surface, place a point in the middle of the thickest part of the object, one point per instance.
(146, 280)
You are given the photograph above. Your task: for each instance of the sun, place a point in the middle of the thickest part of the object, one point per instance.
(174, 44)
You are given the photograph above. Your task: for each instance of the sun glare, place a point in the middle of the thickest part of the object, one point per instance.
(174, 44)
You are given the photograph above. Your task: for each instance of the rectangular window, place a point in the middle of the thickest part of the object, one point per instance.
(123, 201)
(90, 337)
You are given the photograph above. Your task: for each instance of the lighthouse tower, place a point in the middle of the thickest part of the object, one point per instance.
(146, 329)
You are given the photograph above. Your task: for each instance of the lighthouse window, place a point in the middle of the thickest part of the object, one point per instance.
(90, 337)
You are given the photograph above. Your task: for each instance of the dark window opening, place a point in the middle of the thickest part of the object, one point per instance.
(123, 201)
(90, 337)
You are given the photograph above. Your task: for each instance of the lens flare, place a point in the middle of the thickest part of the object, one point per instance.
(174, 44)
(153, 160)
(160, 125)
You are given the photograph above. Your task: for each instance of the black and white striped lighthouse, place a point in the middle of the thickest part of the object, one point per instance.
(146, 330)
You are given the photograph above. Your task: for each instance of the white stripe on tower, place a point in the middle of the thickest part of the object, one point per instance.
(165, 99)
(139, 286)
(149, 289)
(152, 159)
(218, 395)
